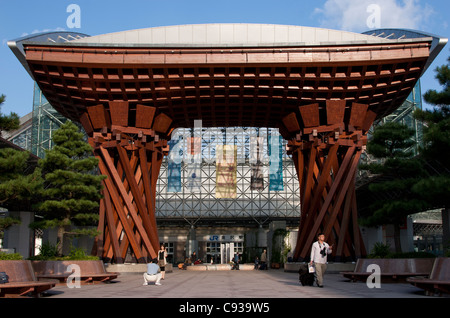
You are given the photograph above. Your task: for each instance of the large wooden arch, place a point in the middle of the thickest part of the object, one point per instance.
(323, 99)
(326, 152)
(131, 158)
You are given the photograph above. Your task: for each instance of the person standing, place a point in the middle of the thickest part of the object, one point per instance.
(193, 258)
(256, 262)
(263, 260)
(236, 261)
(319, 251)
(153, 273)
(162, 261)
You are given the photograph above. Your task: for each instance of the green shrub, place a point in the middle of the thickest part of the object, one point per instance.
(9, 257)
(79, 254)
(379, 250)
(49, 252)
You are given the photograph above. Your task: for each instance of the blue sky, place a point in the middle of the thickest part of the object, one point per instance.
(19, 18)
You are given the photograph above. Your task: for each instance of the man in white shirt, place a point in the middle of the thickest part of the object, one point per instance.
(319, 251)
(153, 273)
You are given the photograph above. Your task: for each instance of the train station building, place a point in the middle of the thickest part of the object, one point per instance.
(226, 138)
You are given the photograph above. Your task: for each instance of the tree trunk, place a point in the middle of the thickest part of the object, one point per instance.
(60, 239)
(446, 228)
(397, 241)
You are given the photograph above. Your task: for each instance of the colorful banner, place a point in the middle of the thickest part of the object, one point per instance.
(257, 177)
(193, 168)
(275, 145)
(173, 168)
(226, 171)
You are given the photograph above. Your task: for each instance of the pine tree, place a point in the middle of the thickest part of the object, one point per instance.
(400, 171)
(20, 183)
(72, 187)
(437, 121)
(435, 189)
(8, 122)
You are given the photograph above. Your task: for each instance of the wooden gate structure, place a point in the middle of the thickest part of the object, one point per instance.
(326, 157)
(323, 97)
(131, 158)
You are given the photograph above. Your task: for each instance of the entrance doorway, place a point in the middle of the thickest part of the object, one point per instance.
(213, 252)
(219, 253)
(223, 252)
(227, 252)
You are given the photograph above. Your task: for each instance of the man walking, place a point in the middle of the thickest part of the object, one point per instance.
(319, 251)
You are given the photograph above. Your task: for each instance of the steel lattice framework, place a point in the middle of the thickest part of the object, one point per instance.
(201, 205)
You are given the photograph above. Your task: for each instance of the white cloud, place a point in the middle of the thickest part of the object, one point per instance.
(352, 15)
(58, 29)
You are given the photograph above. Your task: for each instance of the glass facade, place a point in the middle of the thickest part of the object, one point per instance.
(45, 120)
(404, 115)
(23, 138)
(259, 204)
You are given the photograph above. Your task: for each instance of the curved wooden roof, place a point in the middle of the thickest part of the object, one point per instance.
(232, 85)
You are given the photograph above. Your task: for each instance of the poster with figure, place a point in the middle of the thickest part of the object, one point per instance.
(226, 171)
(173, 168)
(257, 176)
(276, 162)
(194, 161)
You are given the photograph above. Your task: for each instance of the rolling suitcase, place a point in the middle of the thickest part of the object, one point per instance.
(304, 276)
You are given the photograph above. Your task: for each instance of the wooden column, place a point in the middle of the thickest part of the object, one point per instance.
(326, 145)
(130, 156)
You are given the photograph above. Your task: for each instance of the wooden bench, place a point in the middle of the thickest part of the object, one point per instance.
(392, 269)
(439, 279)
(22, 281)
(90, 271)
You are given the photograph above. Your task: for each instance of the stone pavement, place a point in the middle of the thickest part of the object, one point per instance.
(234, 284)
(225, 292)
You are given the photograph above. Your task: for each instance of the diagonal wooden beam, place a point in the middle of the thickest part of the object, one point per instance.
(124, 195)
(121, 171)
(309, 178)
(111, 223)
(345, 220)
(357, 238)
(341, 173)
(149, 195)
(307, 217)
(130, 177)
(120, 211)
(156, 165)
(323, 178)
(99, 239)
(305, 194)
(349, 179)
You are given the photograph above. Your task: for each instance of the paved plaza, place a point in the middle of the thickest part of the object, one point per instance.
(234, 284)
(224, 293)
